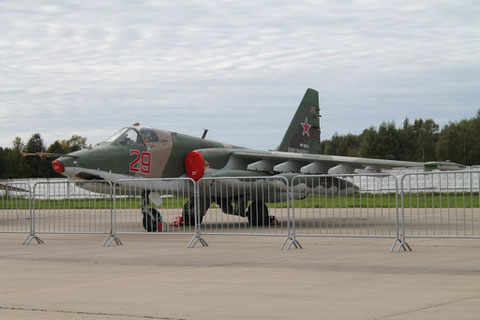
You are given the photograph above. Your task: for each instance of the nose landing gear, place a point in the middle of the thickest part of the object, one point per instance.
(152, 219)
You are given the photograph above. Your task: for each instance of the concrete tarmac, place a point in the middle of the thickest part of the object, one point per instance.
(157, 277)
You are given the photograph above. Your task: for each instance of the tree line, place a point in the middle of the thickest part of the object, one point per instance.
(13, 163)
(420, 140)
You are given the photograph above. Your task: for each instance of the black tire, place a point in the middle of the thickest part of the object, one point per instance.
(226, 205)
(257, 214)
(189, 211)
(151, 219)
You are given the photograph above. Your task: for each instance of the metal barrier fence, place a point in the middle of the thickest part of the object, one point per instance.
(440, 205)
(423, 205)
(250, 206)
(153, 206)
(71, 207)
(15, 207)
(360, 206)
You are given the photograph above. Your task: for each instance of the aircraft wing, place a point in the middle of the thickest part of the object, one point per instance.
(254, 162)
(303, 163)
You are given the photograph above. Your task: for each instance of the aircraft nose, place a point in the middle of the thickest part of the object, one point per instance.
(58, 167)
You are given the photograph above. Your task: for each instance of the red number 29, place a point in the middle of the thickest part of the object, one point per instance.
(145, 159)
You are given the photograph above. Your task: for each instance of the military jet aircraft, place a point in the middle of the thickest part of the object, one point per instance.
(138, 151)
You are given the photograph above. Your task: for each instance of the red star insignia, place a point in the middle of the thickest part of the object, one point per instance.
(306, 127)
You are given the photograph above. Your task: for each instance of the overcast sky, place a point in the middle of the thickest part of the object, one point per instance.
(239, 68)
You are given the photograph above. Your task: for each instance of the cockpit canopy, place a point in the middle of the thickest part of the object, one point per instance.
(133, 137)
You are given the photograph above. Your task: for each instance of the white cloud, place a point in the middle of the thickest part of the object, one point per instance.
(91, 67)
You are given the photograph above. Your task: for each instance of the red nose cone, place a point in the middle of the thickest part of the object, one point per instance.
(58, 166)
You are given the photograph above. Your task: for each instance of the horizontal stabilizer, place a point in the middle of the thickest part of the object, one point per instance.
(46, 155)
(8, 187)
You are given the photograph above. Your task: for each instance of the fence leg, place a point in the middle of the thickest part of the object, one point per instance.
(293, 242)
(403, 245)
(113, 222)
(291, 225)
(197, 237)
(110, 238)
(30, 237)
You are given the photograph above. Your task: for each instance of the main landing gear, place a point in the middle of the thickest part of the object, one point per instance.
(188, 213)
(152, 219)
(257, 212)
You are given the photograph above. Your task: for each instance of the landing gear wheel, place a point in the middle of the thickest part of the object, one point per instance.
(257, 214)
(189, 211)
(152, 220)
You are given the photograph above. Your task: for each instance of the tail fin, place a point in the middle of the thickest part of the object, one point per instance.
(303, 134)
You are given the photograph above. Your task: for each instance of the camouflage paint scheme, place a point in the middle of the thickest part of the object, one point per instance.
(297, 153)
(138, 151)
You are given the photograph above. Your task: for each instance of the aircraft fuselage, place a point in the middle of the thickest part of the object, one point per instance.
(136, 152)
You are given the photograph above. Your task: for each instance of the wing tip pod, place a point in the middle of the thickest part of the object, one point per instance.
(443, 166)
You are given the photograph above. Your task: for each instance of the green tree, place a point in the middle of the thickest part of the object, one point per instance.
(368, 140)
(39, 167)
(474, 148)
(348, 145)
(3, 163)
(18, 144)
(15, 165)
(388, 141)
(332, 146)
(459, 142)
(384, 143)
(426, 132)
(408, 141)
(56, 147)
(76, 143)
(35, 144)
